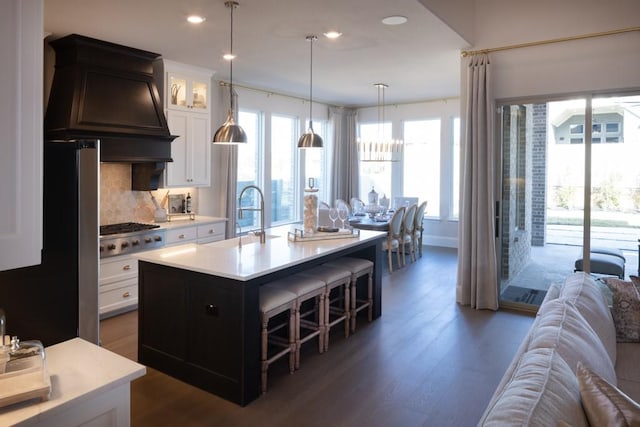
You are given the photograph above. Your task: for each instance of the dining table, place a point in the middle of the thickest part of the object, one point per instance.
(377, 223)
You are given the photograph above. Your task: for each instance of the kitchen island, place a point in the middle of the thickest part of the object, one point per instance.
(199, 318)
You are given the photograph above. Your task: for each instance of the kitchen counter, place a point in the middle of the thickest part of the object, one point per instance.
(198, 310)
(226, 259)
(89, 384)
(185, 222)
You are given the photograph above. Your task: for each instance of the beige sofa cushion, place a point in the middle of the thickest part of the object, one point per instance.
(561, 326)
(605, 404)
(585, 295)
(543, 391)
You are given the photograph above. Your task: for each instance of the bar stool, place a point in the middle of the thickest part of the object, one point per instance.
(358, 267)
(306, 289)
(339, 279)
(274, 301)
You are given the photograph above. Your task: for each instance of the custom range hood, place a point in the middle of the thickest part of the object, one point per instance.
(105, 91)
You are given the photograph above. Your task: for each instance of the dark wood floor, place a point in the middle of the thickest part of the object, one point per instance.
(426, 362)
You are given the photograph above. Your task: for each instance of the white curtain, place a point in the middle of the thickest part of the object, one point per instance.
(344, 164)
(477, 265)
(225, 172)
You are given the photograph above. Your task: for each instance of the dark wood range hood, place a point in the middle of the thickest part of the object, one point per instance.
(106, 91)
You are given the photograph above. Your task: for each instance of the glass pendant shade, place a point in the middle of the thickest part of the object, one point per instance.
(310, 139)
(230, 132)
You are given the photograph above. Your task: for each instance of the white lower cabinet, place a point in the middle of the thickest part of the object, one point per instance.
(178, 236)
(208, 233)
(119, 274)
(118, 285)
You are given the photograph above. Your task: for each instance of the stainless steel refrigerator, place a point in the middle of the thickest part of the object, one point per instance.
(58, 299)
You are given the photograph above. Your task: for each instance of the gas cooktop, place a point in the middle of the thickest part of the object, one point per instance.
(129, 237)
(125, 227)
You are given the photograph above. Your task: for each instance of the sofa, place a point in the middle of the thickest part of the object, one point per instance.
(571, 345)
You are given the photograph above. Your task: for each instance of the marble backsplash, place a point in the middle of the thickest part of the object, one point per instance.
(118, 203)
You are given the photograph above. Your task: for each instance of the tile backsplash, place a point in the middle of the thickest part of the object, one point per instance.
(118, 203)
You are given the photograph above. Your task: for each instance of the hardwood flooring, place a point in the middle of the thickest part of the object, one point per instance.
(426, 361)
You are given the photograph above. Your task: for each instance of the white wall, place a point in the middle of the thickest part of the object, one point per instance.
(603, 63)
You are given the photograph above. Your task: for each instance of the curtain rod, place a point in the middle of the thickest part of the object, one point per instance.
(466, 53)
(272, 93)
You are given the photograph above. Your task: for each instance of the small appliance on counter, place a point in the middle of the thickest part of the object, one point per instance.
(23, 370)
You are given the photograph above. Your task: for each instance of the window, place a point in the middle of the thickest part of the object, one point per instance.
(315, 165)
(248, 171)
(455, 168)
(606, 128)
(422, 162)
(375, 174)
(283, 161)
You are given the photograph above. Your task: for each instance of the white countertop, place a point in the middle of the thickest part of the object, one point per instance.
(225, 259)
(186, 222)
(79, 371)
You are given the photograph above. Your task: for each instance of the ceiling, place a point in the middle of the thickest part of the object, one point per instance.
(419, 60)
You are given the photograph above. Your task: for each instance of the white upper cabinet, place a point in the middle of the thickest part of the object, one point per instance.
(21, 118)
(186, 91)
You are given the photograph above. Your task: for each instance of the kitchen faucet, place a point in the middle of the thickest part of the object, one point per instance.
(263, 238)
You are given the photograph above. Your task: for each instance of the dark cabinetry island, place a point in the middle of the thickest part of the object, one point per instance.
(199, 305)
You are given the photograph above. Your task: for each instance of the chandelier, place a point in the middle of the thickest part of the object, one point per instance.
(380, 149)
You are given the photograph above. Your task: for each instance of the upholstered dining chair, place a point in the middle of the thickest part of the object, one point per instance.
(357, 205)
(418, 228)
(407, 234)
(393, 237)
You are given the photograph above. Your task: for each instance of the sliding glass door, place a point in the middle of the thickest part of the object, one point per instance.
(551, 151)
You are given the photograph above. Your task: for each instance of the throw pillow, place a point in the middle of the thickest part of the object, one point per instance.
(605, 404)
(626, 308)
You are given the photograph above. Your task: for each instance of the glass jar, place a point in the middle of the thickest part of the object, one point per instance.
(373, 197)
(310, 211)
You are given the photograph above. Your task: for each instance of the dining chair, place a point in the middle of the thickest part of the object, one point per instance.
(407, 239)
(357, 205)
(418, 227)
(393, 237)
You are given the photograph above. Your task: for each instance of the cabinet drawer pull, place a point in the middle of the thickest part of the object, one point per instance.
(126, 267)
(126, 294)
(211, 231)
(181, 236)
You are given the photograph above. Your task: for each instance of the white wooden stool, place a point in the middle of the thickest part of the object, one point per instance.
(358, 267)
(339, 279)
(274, 301)
(305, 289)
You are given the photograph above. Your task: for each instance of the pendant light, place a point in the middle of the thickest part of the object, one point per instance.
(310, 139)
(230, 132)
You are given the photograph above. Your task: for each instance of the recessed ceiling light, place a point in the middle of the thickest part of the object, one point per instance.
(228, 56)
(394, 20)
(332, 34)
(195, 19)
